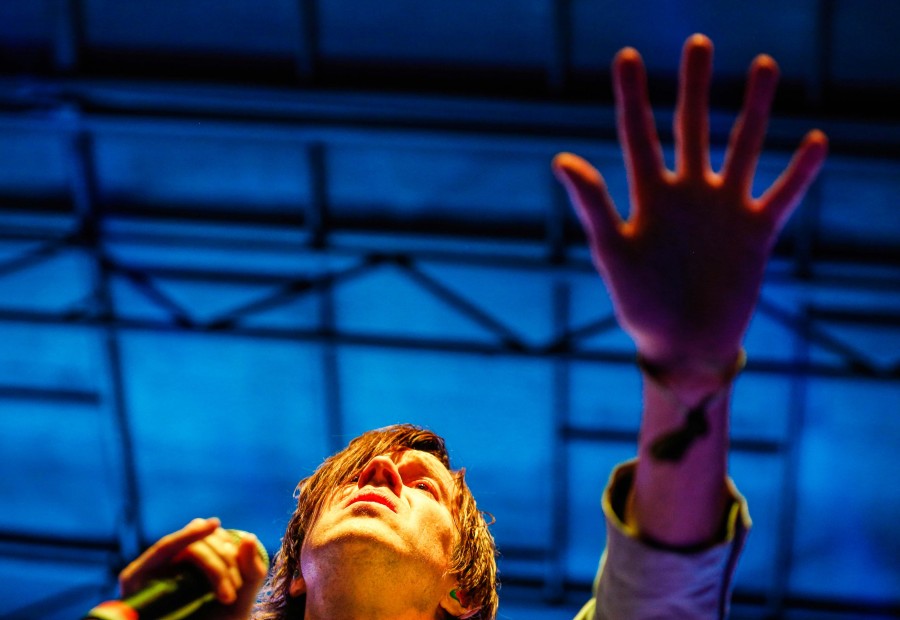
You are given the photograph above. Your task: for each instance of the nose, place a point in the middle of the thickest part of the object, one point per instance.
(381, 472)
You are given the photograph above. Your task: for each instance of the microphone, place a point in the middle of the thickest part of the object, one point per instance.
(174, 597)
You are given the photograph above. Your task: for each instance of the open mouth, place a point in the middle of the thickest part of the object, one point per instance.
(374, 498)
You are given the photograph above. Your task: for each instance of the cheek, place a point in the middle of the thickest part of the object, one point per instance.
(324, 517)
(444, 532)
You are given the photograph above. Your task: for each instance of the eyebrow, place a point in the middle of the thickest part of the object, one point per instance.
(433, 471)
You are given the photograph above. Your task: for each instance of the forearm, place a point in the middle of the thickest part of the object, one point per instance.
(681, 503)
(641, 581)
(684, 271)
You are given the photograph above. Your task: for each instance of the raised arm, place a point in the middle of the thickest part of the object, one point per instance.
(684, 272)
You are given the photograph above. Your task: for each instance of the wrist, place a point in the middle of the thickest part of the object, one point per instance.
(692, 372)
(691, 379)
(695, 389)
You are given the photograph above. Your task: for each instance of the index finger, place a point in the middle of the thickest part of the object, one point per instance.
(163, 551)
(637, 129)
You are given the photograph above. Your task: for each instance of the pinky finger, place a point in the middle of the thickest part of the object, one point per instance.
(250, 559)
(253, 568)
(780, 200)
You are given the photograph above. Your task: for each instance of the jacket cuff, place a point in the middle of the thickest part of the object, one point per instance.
(639, 578)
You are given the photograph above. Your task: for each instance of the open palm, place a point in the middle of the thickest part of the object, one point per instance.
(684, 270)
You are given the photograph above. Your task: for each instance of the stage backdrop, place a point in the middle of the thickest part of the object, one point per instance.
(236, 233)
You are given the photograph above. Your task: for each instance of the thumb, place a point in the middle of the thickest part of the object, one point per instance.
(590, 197)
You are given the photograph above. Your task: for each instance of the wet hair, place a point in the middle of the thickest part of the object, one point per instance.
(473, 563)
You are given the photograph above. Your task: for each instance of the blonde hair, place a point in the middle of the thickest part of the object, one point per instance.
(473, 562)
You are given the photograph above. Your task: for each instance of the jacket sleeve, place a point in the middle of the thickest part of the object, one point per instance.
(640, 580)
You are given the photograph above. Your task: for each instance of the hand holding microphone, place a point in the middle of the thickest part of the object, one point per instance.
(189, 569)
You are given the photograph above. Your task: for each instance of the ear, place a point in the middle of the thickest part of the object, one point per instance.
(455, 604)
(298, 586)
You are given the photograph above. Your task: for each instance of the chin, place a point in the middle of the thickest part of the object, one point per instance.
(355, 537)
(372, 548)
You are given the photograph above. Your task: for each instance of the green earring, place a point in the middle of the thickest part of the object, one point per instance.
(453, 595)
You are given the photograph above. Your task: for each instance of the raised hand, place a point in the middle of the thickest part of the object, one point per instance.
(234, 569)
(684, 270)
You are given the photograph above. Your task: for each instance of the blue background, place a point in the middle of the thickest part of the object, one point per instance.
(235, 234)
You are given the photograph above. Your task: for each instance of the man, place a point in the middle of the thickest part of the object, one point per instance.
(382, 529)
(684, 273)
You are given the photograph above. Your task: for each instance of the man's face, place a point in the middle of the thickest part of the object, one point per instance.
(392, 524)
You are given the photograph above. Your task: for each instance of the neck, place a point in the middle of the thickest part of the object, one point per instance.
(338, 607)
(363, 570)
(374, 589)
